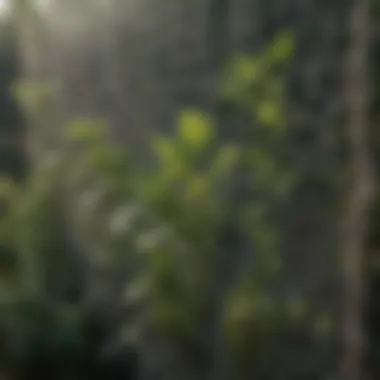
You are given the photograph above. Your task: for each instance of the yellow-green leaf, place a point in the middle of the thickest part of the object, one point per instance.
(268, 113)
(247, 68)
(198, 186)
(283, 47)
(226, 159)
(195, 128)
(164, 149)
(85, 129)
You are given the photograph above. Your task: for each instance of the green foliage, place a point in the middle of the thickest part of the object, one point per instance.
(34, 99)
(162, 227)
(34, 312)
(195, 129)
(282, 48)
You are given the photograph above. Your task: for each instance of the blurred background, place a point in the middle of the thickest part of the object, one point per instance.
(188, 190)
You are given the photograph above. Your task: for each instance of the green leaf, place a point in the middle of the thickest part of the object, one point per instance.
(283, 47)
(247, 69)
(33, 97)
(85, 130)
(164, 149)
(172, 164)
(268, 113)
(225, 161)
(195, 128)
(198, 186)
(242, 73)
